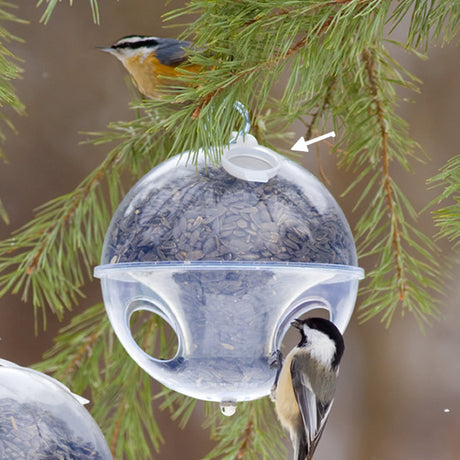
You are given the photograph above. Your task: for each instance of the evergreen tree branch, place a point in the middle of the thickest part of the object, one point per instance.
(51, 4)
(40, 257)
(261, 59)
(315, 119)
(447, 218)
(252, 433)
(180, 407)
(406, 273)
(4, 214)
(429, 21)
(116, 429)
(83, 352)
(9, 68)
(248, 73)
(387, 180)
(246, 440)
(77, 347)
(50, 258)
(9, 71)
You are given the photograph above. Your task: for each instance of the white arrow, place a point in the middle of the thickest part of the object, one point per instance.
(302, 145)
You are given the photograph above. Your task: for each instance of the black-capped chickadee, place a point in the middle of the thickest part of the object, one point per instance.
(305, 385)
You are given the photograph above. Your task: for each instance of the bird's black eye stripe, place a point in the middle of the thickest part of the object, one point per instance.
(149, 43)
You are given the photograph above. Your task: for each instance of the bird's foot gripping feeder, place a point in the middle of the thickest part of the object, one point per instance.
(228, 256)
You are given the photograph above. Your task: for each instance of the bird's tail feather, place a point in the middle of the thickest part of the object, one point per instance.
(301, 452)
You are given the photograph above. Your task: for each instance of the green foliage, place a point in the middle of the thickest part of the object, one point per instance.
(9, 69)
(386, 230)
(4, 214)
(252, 433)
(335, 57)
(447, 218)
(50, 258)
(51, 4)
(429, 21)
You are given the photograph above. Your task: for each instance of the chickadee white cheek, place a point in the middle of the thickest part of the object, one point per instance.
(320, 347)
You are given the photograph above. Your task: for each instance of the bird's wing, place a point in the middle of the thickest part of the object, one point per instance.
(172, 52)
(314, 413)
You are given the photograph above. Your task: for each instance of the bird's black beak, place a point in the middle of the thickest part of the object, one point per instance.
(297, 323)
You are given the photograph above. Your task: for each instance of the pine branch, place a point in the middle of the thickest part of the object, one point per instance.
(387, 180)
(180, 407)
(9, 68)
(252, 433)
(249, 74)
(76, 346)
(49, 259)
(429, 21)
(447, 218)
(260, 59)
(51, 4)
(40, 257)
(4, 214)
(9, 71)
(406, 273)
(323, 106)
(247, 437)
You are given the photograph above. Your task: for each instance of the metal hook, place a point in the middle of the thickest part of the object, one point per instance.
(247, 122)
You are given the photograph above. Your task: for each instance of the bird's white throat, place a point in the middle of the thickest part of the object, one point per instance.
(320, 346)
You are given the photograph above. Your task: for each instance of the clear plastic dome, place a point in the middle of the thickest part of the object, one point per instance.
(228, 263)
(41, 419)
(179, 213)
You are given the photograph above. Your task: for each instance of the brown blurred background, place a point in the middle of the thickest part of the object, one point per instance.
(396, 385)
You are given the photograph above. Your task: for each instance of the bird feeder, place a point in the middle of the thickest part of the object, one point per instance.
(228, 256)
(41, 419)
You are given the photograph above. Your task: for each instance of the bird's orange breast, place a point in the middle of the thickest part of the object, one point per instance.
(148, 73)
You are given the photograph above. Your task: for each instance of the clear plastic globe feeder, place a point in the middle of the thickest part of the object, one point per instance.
(41, 419)
(228, 256)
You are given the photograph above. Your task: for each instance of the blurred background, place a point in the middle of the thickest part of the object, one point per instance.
(399, 390)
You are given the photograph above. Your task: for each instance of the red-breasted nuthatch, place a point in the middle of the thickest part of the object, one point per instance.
(150, 59)
(305, 386)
